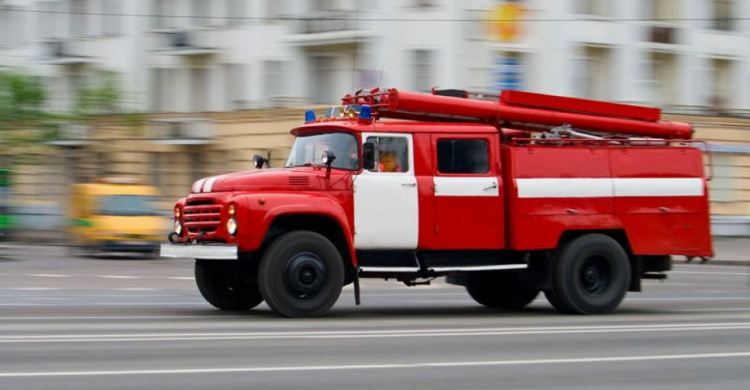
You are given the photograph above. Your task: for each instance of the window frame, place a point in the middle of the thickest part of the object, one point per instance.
(491, 152)
(409, 152)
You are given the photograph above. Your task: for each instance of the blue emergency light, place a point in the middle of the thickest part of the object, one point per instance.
(365, 112)
(309, 116)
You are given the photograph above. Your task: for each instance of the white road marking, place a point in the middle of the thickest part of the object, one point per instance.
(180, 277)
(709, 273)
(34, 289)
(137, 289)
(385, 366)
(117, 277)
(50, 275)
(118, 318)
(361, 334)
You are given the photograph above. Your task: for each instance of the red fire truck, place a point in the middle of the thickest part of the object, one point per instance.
(509, 196)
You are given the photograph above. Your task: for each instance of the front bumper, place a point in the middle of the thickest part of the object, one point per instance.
(200, 252)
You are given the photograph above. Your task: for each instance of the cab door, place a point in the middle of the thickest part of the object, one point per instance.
(468, 188)
(386, 205)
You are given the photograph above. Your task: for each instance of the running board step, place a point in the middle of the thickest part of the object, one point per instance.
(498, 267)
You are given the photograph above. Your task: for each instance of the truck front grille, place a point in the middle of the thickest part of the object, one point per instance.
(202, 216)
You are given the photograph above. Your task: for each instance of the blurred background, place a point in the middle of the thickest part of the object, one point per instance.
(136, 99)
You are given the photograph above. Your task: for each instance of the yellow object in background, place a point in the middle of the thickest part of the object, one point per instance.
(504, 21)
(115, 216)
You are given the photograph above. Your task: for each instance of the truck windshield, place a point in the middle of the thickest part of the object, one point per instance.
(126, 205)
(308, 150)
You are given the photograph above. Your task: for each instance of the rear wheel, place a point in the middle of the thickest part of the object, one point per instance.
(301, 274)
(499, 290)
(224, 286)
(591, 275)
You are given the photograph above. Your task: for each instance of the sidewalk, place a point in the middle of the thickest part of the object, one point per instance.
(727, 251)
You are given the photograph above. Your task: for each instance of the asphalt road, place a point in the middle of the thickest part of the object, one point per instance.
(118, 323)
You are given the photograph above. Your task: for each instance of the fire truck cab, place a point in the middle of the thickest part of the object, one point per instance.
(509, 197)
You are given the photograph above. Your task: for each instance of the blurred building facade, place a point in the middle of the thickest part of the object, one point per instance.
(220, 78)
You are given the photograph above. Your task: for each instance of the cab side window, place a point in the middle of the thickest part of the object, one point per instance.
(463, 156)
(391, 154)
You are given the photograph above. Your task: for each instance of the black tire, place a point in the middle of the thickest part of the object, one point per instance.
(591, 275)
(499, 290)
(225, 287)
(301, 274)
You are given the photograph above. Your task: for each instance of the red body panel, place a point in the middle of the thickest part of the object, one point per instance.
(468, 222)
(666, 224)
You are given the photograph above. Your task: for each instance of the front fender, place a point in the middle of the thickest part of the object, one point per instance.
(258, 212)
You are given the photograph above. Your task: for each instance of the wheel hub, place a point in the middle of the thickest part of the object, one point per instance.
(305, 275)
(596, 276)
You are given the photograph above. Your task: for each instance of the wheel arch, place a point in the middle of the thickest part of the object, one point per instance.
(324, 224)
(621, 237)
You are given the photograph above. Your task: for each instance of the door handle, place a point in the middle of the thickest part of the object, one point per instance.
(664, 209)
(409, 184)
(494, 185)
(573, 211)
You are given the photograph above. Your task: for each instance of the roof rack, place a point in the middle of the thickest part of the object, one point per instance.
(526, 110)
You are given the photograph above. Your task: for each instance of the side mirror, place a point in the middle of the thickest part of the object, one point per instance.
(368, 156)
(259, 160)
(328, 157)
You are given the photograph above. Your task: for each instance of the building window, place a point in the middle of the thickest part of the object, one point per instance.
(46, 20)
(163, 11)
(721, 186)
(593, 74)
(463, 156)
(593, 7)
(201, 13)
(423, 70)
(112, 18)
(78, 18)
(323, 79)
(236, 12)
(12, 26)
(198, 165)
(275, 9)
(722, 15)
(158, 169)
(424, 3)
(273, 78)
(235, 85)
(325, 5)
(199, 83)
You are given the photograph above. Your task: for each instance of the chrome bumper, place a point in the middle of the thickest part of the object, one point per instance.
(199, 252)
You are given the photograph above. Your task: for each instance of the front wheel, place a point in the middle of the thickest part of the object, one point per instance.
(499, 290)
(591, 275)
(222, 284)
(301, 274)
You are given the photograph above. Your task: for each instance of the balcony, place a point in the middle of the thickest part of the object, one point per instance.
(328, 28)
(65, 52)
(186, 42)
(181, 131)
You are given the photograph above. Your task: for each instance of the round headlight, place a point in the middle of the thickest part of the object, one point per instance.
(231, 226)
(178, 228)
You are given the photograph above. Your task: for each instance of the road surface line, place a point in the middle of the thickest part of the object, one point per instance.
(596, 360)
(49, 275)
(401, 333)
